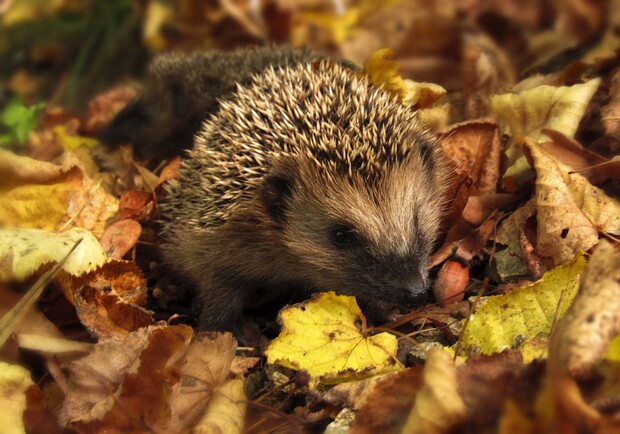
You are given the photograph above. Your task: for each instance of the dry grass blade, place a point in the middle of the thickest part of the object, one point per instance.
(11, 320)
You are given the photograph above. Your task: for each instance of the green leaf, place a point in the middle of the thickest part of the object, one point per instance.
(18, 121)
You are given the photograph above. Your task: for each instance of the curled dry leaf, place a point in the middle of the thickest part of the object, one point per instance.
(104, 107)
(582, 337)
(137, 205)
(387, 405)
(327, 336)
(438, 406)
(474, 146)
(610, 114)
(109, 300)
(226, 411)
(120, 237)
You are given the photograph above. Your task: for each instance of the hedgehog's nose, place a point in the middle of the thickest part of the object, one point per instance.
(415, 294)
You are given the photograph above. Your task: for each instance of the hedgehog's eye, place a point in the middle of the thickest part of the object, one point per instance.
(342, 236)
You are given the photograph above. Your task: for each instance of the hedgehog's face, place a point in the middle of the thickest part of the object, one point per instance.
(370, 241)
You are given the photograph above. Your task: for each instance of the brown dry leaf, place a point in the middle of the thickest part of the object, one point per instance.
(474, 146)
(388, 403)
(570, 152)
(486, 382)
(102, 108)
(120, 237)
(137, 205)
(610, 113)
(570, 211)
(159, 379)
(57, 197)
(486, 71)
(109, 299)
(580, 340)
(123, 385)
(438, 406)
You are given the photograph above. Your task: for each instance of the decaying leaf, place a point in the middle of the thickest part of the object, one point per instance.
(525, 312)
(109, 300)
(24, 251)
(14, 381)
(327, 336)
(438, 406)
(158, 377)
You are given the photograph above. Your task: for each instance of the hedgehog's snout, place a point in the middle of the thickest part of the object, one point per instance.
(414, 294)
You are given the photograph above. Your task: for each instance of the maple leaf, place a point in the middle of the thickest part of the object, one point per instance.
(327, 336)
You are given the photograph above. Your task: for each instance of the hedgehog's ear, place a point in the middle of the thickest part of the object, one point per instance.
(277, 188)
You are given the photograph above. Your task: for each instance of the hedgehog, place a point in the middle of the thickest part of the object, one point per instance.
(307, 179)
(182, 90)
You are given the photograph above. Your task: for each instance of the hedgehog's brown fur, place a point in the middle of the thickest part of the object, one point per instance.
(289, 164)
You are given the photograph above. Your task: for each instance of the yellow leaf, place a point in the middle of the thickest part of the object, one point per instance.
(23, 251)
(226, 411)
(327, 337)
(582, 337)
(36, 194)
(382, 70)
(71, 142)
(14, 381)
(520, 315)
(157, 14)
(438, 406)
(528, 112)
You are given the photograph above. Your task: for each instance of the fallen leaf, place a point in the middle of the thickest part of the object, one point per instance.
(570, 211)
(438, 406)
(120, 237)
(382, 70)
(529, 112)
(525, 312)
(24, 251)
(226, 412)
(137, 205)
(388, 404)
(582, 337)
(55, 199)
(474, 146)
(14, 382)
(327, 336)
